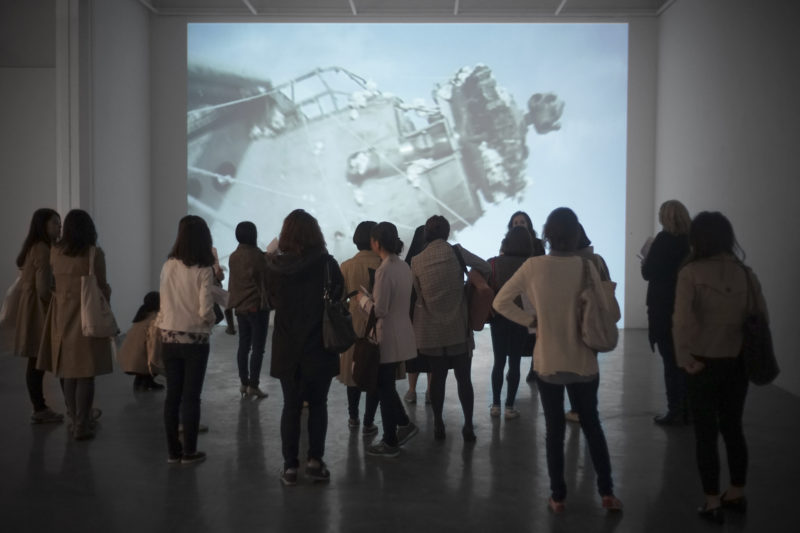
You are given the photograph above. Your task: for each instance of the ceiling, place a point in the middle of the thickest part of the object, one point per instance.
(411, 9)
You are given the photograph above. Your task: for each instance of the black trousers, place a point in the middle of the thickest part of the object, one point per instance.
(252, 340)
(716, 398)
(392, 411)
(370, 407)
(462, 368)
(584, 402)
(674, 376)
(315, 392)
(185, 366)
(34, 379)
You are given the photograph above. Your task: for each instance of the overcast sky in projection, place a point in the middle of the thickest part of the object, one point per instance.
(581, 166)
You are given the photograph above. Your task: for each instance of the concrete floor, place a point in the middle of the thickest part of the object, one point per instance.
(120, 481)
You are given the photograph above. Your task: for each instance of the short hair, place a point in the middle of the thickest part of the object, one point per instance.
(385, 234)
(300, 233)
(78, 233)
(675, 218)
(517, 242)
(37, 232)
(362, 234)
(436, 227)
(711, 233)
(246, 233)
(561, 230)
(193, 244)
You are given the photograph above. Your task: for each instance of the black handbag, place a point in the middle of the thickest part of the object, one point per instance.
(366, 358)
(337, 324)
(757, 352)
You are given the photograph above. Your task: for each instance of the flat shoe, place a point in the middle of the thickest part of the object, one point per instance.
(734, 504)
(556, 507)
(712, 515)
(612, 503)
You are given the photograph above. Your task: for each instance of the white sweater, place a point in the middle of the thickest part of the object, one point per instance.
(552, 284)
(186, 301)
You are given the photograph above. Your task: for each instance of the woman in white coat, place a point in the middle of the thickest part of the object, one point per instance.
(390, 301)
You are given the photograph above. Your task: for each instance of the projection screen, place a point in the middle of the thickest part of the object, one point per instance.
(398, 122)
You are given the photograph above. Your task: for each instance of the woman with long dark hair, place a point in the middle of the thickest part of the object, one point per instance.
(36, 284)
(552, 283)
(184, 322)
(389, 301)
(509, 339)
(711, 303)
(660, 268)
(66, 352)
(414, 367)
(299, 271)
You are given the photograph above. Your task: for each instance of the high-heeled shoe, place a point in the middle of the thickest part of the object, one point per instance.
(256, 393)
(438, 432)
(734, 504)
(713, 515)
(556, 507)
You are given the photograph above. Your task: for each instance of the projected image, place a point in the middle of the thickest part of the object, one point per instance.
(402, 121)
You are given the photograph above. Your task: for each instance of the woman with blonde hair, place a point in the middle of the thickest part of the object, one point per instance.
(660, 268)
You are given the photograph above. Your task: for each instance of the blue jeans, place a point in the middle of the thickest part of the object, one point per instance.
(185, 366)
(584, 396)
(315, 392)
(252, 338)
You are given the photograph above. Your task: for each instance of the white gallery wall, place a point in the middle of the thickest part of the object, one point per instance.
(728, 124)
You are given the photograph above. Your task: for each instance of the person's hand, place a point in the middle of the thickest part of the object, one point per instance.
(694, 367)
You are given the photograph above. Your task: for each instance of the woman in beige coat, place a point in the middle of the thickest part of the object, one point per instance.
(36, 282)
(65, 351)
(356, 274)
(132, 356)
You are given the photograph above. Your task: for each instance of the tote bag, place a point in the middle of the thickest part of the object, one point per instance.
(337, 324)
(598, 316)
(8, 313)
(97, 320)
(757, 351)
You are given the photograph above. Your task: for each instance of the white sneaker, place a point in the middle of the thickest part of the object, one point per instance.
(410, 397)
(494, 411)
(511, 413)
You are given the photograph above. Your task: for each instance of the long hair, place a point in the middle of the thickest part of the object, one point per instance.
(417, 244)
(37, 232)
(78, 233)
(710, 234)
(193, 244)
(528, 222)
(385, 233)
(152, 302)
(675, 218)
(562, 230)
(517, 242)
(300, 233)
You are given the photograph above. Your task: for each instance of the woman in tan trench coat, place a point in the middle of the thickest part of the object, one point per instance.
(132, 356)
(356, 273)
(65, 351)
(36, 282)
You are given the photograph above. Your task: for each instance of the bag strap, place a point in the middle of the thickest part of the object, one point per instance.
(459, 257)
(751, 296)
(91, 260)
(372, 323)
(587, 282)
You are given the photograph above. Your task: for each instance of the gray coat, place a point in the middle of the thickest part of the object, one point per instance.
(392, 297)
(440, 313)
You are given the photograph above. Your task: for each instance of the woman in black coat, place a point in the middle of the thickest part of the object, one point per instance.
(660, 268)
(299, 359)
